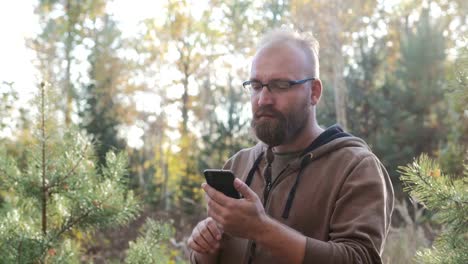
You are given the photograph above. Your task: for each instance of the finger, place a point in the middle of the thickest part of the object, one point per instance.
(191, 243)
(215, 195)
(216, 211)
(200, 239)
(210, 240)
(207, 199)
(214, 229)
(202, 249)
(243, 189)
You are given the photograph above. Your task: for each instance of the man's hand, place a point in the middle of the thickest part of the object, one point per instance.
(205, 237)
(238, 217)
(246, 218)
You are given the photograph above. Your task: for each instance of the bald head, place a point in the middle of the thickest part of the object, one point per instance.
(281, 61)
(305, 44)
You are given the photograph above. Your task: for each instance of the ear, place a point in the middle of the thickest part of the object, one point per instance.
(316, 91)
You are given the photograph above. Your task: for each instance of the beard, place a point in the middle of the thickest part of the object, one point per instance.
(279, 128)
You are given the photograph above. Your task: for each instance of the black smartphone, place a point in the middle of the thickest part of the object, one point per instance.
(223, 181)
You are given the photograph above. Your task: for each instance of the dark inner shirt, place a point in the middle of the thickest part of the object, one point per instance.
(281, 161)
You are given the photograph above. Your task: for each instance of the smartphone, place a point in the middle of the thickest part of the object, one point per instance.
(223, 181)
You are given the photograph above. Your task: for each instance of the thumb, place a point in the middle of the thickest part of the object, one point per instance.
(243, 189)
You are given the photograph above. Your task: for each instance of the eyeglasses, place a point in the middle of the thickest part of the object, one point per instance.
(274, 86)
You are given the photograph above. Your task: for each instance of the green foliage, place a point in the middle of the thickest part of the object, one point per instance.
(64, 26)
(60, 190)
(153, 246)
(448, 198)
(101, 115)
(226, 134)
(400, 113)
(443, 189)
(193, 61)
(452, 155)
(188, 194)
(7, 98)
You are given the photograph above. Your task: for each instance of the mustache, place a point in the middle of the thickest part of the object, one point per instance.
(267, 110)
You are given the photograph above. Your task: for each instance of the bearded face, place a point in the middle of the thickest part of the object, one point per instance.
(279, 116)
(276, 128)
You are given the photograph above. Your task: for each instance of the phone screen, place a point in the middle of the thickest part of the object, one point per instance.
(223, 181)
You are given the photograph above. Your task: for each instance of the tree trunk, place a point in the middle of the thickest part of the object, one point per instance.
(338, 82)
(166, 193)
(68, 85)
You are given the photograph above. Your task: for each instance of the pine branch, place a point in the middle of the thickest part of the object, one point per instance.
(71, 222)
(447, 197)
(3, 172)
(69, 173)
(420, 184)
(77, 163)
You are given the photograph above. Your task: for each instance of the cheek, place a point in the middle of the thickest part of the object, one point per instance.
(294, 105)
(286, 103)
(254, 103)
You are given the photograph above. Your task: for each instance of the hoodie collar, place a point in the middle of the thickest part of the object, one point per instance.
(331, 133)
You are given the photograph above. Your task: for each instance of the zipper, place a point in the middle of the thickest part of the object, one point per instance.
(266, 193)
(269, 185)
(266, 190)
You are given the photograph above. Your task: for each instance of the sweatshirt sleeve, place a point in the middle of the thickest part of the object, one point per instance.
(360, 220)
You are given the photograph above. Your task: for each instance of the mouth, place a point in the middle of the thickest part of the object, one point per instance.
(265, 116)
(267, 112)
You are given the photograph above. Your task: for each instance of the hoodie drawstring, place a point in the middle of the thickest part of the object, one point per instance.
(249, 179)
(305, 161)
(292, 193)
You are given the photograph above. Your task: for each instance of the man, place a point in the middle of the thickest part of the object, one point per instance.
(309, 195)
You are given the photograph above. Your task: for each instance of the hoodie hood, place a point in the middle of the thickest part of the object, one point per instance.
(335, 192)
(330, 140)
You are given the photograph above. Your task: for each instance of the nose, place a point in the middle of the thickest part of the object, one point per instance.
(265, 97)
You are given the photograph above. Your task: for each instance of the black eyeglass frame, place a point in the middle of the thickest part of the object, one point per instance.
(291, 83)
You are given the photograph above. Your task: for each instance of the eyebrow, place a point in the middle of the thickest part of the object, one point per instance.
(280, 79)
(275, 79)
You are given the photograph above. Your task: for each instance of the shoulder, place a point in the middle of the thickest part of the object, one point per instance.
(354, 152)
(350, 160)
(361, 167)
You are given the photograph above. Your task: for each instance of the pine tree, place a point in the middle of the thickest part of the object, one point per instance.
(101, 113)
(59, 193)
(447, 196)
(401, 113)
(451, 159)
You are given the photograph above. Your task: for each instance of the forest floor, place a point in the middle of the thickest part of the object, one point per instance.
(111, 245)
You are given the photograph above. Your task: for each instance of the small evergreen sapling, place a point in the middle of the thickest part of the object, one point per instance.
(153, 246)
(60, 191)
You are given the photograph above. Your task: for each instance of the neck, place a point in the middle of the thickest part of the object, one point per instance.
(308, 134)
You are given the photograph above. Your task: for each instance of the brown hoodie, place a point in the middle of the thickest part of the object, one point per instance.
(337, 194)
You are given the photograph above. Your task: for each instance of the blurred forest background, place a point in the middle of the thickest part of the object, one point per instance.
(170, 97)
